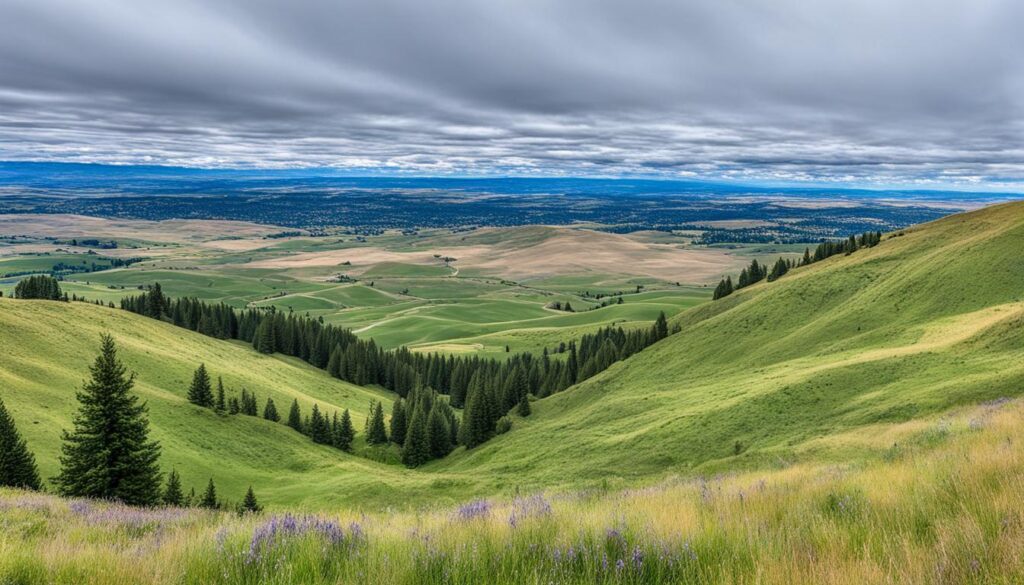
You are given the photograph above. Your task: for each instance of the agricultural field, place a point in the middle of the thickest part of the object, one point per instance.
(436, 290)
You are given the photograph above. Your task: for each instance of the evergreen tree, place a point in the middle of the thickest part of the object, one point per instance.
(233, 406)
(220, 405)
(345, 433)
(295, 416)
(524, 407)
(109, 454)
(17, 465)
(398, 422)
(172, 493)
(416, 451)
(199, 392)
(265, 341)
(660, 327)
(376, 432)
(249, 504)
(319, 430)
(438, 433)
(210, 497)
(270, 411)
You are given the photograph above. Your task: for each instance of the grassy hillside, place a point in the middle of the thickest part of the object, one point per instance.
(947, 511)
(791, 370)
(48, 347)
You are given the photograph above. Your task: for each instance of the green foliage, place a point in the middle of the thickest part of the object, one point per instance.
(209, 499)
(199, 391)
(249, 503)
(295, 417)
(376, 433)
(345, 433)
(108, 455)
(17, 464)
(38, 287)
(416, 450)
(270, 411)
(172, 492)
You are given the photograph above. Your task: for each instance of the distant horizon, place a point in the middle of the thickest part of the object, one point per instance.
(727, 184)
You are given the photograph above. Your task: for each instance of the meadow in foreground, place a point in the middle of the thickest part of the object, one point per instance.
(945, 505)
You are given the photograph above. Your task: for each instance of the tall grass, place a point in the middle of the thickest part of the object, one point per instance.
(944, 506)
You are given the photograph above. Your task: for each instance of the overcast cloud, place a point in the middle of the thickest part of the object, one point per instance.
(889, 92)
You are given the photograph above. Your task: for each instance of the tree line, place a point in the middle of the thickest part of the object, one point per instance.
(756, 272)
(471, 383)
(108, 454)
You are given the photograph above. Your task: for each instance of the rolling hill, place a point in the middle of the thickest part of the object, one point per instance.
(815, 364)
(833, 362)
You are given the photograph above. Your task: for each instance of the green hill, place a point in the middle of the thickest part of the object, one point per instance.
(48, 347)
(807, 366)
(815, 366)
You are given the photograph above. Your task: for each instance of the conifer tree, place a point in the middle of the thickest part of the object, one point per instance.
(210, 497)
(199, 392)
(233, 406)
(295, 416)
(249, 504)
(524, 407)
(416, 451)
(398, 422)
(660, 327)
(264, 340)
(270, 411)
(17, 465)
(108, 455)
(346, 433)
(319, 430)
(220, 405)
(190, 499)
(438, 433)
(376, 432)
(172, 493)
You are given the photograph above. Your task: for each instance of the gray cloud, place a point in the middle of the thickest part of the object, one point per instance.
(914, 92)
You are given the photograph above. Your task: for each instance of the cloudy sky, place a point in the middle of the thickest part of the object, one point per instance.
(926, 93)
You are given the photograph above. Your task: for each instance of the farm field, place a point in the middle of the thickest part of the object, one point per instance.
(434, 290)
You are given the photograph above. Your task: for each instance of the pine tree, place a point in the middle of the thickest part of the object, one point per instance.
(524, 407)
(109, 454)
(210, 497)
(376, 432)
(660, 327)
(264, 340)
(233, 406)
(172, 493)
(319, 430)
(17, 465)
(220, 405)
(438, 433)
(416, 451)
(249, 504)
(199, 391)
(295, 416)
(346, 433)
(398, 422)
(270, 411)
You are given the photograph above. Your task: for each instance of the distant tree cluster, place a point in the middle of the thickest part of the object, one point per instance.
(757, 272)
(39, 287)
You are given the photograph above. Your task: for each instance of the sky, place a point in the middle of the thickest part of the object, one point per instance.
(887, 93)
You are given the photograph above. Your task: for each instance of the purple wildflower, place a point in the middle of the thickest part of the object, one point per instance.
(476, 509)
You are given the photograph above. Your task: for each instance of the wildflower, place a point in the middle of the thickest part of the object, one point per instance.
(476, 509)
